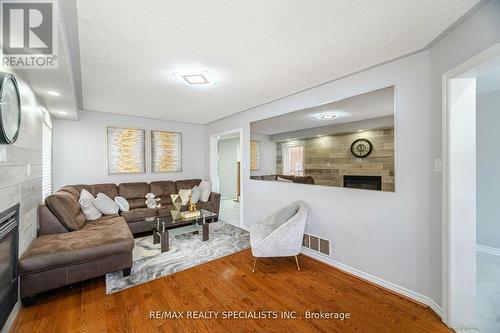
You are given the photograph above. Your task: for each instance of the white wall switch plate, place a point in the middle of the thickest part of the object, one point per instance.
(3, 153)
(28, 169)
(438, 165)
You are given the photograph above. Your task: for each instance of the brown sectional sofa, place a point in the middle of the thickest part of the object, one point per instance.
(295, 179)
(70, 249)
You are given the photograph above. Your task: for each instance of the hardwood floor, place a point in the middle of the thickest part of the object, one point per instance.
(228, 284)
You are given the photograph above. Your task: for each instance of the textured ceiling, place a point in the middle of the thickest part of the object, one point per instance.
(375, 104)
(257, 50)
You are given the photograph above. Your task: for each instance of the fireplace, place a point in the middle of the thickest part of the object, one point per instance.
(9, 242)
(364, 182)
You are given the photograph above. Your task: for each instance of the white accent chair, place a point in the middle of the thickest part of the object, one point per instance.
(281, 234)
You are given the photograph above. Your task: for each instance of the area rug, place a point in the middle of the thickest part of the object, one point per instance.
(186, 251)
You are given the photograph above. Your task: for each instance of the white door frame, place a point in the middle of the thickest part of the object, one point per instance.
(449, 281)
(214, 172)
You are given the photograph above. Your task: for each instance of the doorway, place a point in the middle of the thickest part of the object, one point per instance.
(226, 174)
(471, 231)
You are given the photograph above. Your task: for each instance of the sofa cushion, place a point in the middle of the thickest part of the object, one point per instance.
(96, 240)
(64, 205)
(304, 180)
(164, 210)
(135, 193)
(288, 177)
(186, 184)
(138, 214)
(204, 205)
(49, 223)
(111, 190)
(162, 190)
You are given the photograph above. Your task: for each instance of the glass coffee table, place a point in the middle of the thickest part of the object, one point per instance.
(165, 226)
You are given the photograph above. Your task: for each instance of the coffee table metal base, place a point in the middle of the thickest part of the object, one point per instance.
(161, 237)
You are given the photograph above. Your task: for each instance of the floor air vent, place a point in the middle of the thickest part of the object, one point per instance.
(317, 244)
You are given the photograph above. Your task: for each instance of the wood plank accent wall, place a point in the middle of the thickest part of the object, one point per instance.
(328, 158)
(16, 186)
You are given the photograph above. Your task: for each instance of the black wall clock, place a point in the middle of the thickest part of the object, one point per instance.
(10, 109)
(361, 148)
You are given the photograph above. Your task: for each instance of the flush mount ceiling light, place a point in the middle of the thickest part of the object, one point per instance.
(53, 93)
(195, 78)
(328, 115)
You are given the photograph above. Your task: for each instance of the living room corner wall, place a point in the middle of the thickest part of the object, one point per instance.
(80, 149)
(17, 185)
(478, 32)
(389, 237)
(396, 237)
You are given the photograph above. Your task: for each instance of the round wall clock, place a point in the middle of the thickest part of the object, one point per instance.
(10, 109)
(361, 148)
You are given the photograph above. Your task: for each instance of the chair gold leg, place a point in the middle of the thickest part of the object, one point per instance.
(254, 264)
(297, 261)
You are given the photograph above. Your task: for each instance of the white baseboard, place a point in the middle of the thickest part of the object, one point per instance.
(488, 249)
(385, 284)
(466, 329)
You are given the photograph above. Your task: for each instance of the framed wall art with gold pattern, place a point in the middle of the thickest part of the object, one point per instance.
(126, 150)
(166, 151)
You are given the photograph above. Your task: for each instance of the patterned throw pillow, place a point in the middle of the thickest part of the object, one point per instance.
(87, 206)
(206, 188)
(184, 195)
(196, 194)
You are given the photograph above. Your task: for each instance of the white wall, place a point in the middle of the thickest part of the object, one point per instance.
(389, 238)
(479, 32)
(396, 236)
(80, 149)
(228, 156)
(16, 184)
(488, 169)
(268, 155)
(462, 200)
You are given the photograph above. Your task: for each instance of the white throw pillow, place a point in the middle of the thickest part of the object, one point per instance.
(84, 194)
(196, 194)
(184, 195)
(206, 188)
(88, 209)
(283, 180)
(105, 204)
(122, 204)
(87, 206)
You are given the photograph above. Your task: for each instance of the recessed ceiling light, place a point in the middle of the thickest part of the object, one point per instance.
(53, 93)
(359, 131)
(195, 78)
(328, 115)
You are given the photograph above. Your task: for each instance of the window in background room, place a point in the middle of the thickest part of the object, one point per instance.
(47, 156)
(293, 160)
